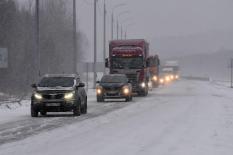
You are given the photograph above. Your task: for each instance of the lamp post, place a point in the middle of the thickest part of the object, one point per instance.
(95, 43)
(119, 15)
(74, 38)
(37, 14)
(112, 18)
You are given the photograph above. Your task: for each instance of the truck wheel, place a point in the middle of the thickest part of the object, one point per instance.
(84, 108)
(34, 112)
(77, 109)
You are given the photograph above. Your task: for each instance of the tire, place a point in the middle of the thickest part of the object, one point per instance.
(84, 108)
(34, 112)
(100, 99)
(77, 109)
(43, 113)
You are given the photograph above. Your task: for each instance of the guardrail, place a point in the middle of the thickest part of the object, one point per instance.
(198, 78)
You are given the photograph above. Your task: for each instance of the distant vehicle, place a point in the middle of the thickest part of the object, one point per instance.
(59, 93)
(154, 63)
(114, 86)
(173, 67)
(129, 57)
(164, 78)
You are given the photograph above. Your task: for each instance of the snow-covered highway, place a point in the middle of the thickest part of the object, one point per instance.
(186, 117)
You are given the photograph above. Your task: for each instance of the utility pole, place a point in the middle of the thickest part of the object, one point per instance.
(231, 72)
(104, 38)
(38, 36)
(121, 32)
(112, 26)
(74, 38)
(117, 28)
(95, 43)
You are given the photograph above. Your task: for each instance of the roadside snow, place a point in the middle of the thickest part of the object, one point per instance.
(187, 117)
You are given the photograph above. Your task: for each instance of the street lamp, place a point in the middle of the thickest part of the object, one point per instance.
(120, 14)
(112, 20)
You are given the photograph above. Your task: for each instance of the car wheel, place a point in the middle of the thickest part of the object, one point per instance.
(84, 108)
(43, 113)
(77, 109)
(34, 112)
(100, 99)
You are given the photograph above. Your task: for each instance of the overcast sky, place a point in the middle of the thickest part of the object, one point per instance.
(159, 18)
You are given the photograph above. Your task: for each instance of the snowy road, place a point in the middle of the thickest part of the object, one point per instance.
(187, 117)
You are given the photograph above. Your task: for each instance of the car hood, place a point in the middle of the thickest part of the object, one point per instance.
(59, 89)
(112, 85)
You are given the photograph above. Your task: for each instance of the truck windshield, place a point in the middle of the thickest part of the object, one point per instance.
(56, 82)
(127, 62)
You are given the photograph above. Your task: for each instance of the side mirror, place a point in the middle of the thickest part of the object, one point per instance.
(129, 81)
(81, 85)
(106, 63)
(33, 85)
(97, 81)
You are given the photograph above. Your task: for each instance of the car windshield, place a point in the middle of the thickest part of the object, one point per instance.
(127, 62)
(113, 79)
(56, 82)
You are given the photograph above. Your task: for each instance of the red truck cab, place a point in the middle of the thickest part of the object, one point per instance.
(129, 57)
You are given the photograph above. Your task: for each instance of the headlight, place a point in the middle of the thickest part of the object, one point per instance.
(177, 76)
(69, 96)
(161, 81)
(172, 77)
(155, 78)
(126, 90)
(38, 96)
(143, 84)
(99, 90)
(167, 78)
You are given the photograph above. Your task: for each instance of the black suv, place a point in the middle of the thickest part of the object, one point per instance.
(59, 93)
(114, 86)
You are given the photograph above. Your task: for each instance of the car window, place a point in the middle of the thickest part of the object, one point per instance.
(113, 79)
(56, 82)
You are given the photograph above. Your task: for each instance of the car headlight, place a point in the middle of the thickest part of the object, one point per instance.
(167, 78)
(38, 96)
(172, 77)
(126, 90)
(155, 78)
(69, 96)
(177, 76)
(161, 80)
(99, 90)
(143, 84)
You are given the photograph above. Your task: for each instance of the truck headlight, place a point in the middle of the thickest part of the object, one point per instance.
(126, 90)
(143, 84)
(38, 96)
(172, 77)
(155, 78)
(69, 96)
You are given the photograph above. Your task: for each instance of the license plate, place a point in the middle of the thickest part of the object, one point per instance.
(112, 92)
(53, 104)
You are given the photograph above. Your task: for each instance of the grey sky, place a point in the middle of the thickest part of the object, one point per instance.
(159, 18)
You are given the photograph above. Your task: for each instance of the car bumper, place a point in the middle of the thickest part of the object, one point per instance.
(116, 95)
(54, 105)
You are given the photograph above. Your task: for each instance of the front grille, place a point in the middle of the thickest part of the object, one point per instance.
(111, 88)
(133, 78)
(53, 96)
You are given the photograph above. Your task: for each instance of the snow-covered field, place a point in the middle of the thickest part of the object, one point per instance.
(185, 118)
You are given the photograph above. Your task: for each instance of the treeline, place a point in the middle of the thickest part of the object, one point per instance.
(17, 34)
